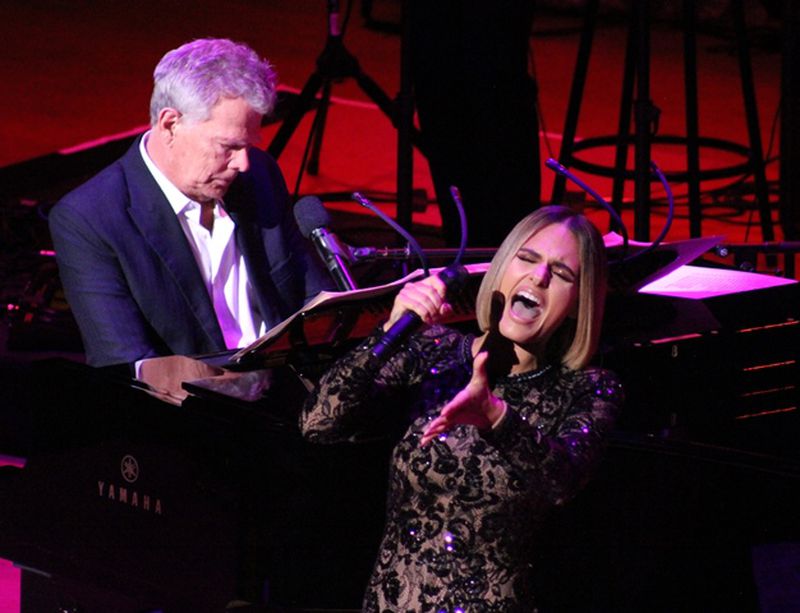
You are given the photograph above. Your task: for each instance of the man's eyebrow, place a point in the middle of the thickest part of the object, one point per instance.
(232, 142)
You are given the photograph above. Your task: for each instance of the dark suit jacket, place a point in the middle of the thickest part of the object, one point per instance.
(130, 276)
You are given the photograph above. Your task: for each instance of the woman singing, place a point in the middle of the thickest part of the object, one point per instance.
(493, 430)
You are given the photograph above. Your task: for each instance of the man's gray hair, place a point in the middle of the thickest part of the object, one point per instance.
(193, 78)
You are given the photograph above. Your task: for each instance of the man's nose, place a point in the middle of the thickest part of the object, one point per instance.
(240, 160)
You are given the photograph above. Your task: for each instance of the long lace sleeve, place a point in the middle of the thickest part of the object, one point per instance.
(555, 457)
(357, 399)
(339, 407)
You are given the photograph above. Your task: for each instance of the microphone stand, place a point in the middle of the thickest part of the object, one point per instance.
(364, 254)
(334, 64)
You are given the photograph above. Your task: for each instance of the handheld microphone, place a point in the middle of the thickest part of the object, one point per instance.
(313, 221)
(454, 278)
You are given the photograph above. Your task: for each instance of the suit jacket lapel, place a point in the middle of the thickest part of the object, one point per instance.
(152, 214)
(248, 238)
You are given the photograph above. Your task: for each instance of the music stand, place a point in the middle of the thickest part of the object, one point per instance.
(334, 64)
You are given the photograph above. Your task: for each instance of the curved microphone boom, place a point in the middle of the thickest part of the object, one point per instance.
(558, 167)
(313, 221)
(358, 197)
(455, 194)
(561, 169)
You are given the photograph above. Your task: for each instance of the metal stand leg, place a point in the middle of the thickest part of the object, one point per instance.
(624, 123)
(336, 63)
(644, 116)
(692, 121)
(751, 111)
(575, 98)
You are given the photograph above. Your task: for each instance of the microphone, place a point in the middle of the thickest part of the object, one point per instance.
(454, 277)
(313, 221)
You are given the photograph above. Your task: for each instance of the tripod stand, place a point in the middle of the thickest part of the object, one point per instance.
(336, 63)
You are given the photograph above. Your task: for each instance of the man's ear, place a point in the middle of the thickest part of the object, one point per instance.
(168, 120)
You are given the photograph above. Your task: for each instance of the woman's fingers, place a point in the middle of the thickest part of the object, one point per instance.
(424, 301)
(434, 429)
(479, 370)
(473, 394)
(474, 405)
(426, 298)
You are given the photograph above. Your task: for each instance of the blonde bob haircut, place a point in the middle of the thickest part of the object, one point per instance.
(575, 342)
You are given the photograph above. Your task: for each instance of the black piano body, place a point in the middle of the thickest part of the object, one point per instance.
(134, 504)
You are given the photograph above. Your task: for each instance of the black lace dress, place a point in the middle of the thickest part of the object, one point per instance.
(463, 510)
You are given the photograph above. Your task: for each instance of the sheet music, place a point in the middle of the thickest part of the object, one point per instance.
(326, 300)
(700, 282)
(632, 275)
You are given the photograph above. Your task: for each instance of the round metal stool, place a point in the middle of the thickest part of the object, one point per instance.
(637, 69)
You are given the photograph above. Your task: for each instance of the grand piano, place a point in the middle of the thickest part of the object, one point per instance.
(128, 500)
(129, 504)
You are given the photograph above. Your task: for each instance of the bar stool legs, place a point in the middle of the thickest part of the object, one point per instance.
(646, 115)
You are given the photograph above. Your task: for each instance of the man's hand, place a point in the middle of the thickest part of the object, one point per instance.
(165, 375)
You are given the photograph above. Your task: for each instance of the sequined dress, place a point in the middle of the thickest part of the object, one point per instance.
(462, 511)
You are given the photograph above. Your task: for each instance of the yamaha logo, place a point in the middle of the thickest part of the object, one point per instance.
(117, 492)
(129, 468)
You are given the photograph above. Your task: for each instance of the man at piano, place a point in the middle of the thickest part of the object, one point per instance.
(186, 245)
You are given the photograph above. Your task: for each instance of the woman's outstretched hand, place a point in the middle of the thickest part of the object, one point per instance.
(474, 405)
